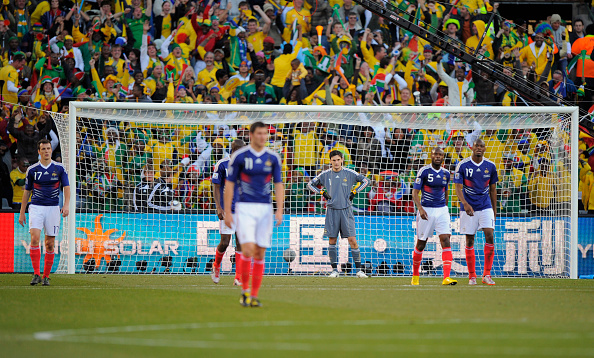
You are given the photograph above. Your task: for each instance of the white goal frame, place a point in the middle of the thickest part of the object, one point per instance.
(74, 106)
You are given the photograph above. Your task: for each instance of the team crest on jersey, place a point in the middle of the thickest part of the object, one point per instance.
(344, 179)
(486, 171)
(268, 163)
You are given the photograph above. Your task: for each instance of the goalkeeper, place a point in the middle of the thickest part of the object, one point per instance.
(337, 187)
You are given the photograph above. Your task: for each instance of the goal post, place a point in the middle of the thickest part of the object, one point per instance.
(536, 235)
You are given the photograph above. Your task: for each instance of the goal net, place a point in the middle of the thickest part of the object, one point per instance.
(144, 191)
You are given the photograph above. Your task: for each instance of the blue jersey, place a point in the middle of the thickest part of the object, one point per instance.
(45, 182)
(433, 185)
(253, 173)
(219, 176)
(476, 179)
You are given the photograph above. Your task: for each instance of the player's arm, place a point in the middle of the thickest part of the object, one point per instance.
(232, 176)
(460, 193)
(66, 207)
(228, 200)
(216, 194)
(279, 191)
(24, 201)
(493, 197)
(313, 186)
(417, 200)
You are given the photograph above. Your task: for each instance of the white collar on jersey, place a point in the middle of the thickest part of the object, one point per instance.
(477, 164)
(257, 154)
(43, 166)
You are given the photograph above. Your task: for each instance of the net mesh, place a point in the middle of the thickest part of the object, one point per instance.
(145, 194)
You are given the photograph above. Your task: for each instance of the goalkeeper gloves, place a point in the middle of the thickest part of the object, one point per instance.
(352, 195)
(326, 195)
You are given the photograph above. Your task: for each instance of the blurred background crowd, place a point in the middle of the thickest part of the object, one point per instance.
(304, 52)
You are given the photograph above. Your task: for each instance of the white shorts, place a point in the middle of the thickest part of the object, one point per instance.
(254, 223)
(483, 219)
(438, 220)
(46, 218)
(224, 229)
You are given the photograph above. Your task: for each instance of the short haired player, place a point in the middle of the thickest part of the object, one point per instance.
(218, 180)
(476, 179)
(337, 183)
(432, 182)
(254, 168)
(43, 180)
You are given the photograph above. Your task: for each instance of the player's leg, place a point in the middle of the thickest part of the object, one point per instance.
(444, 231)
(257, 275)
(35, 253)
(489, 255)
(446, 258)
(36, 224)
(331, 230)
(347, 229)
(52, 222)
(246, 226)
(333, 255)
(263, 241)
(425, 229)
(49, 258)
(237, 280)
(220, 252)
(469, 227)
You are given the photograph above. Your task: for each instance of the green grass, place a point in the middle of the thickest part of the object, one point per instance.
(181, 316)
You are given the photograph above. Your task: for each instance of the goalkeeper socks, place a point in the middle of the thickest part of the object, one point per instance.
(257, 276)
(218, 258)
(238, 265)
(332, 252)
(417, 259)
(246, 266)
(446, 257)
(356, 254)
(35, 254)
(49, 262)
(470, 262)
(489, 254)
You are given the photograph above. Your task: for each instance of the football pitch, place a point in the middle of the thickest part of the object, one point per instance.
(188, 316)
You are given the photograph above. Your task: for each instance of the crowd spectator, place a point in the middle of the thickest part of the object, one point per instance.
(268, 52)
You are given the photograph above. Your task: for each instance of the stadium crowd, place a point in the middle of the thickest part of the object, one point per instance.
(305, 52)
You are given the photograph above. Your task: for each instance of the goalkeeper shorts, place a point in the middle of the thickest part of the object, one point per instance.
(340, 221)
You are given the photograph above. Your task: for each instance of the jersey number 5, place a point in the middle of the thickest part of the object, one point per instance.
(430, 178)
(38, 175)
(469, 172)
(249, 163)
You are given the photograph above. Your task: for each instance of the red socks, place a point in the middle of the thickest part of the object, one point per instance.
(489, 254)
(218, 258)
(446, 257)
(238, 265)
(35, 254)
(246, 265)
(417, 259)
(471, 262)
(257, 276)
(49, 262)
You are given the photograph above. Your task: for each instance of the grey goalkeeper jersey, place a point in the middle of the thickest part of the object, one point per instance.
(339, 185)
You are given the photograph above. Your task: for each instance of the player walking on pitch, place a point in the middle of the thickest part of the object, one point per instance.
(253, 168)
(218, 180)
(433, 215)
(476, 179)
(338, 190)
(43, 180)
